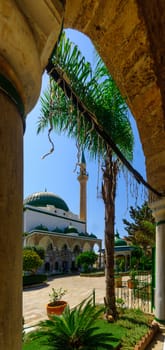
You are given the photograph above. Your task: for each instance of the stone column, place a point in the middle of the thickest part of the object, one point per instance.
(158, 209)
(20, 81)
(11, 131)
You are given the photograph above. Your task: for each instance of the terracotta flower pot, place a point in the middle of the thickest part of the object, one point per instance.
(56, 309)
(118, 282)
(132, 284)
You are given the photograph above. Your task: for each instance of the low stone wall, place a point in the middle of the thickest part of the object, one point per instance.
(148, 337)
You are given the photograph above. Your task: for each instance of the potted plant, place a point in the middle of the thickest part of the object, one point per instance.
(132, 282)
(56, 306)
(118, 281)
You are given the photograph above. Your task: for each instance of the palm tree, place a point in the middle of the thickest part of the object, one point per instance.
(100, 97)
(74, 329)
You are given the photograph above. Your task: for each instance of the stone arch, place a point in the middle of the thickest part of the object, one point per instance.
(45, 242)
(63, 244)
(30, 241)
(47, 266)
(76, 249)
(96, 247)
(87, 246)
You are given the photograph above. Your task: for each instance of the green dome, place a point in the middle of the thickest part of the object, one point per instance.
(42, 199)
(119, 241)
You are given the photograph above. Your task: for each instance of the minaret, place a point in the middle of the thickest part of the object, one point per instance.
(83, 178)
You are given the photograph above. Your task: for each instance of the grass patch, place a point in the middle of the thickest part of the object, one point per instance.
(130, 327)
(34, 345)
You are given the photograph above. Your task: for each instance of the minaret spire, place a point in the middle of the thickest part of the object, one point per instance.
(83, 178)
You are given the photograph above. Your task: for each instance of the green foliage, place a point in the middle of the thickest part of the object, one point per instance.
(141, 259)
(92, 235)
(41, 227)
(30, 344)
(136, 324)
(38, 249)
(134, 334)
(56, 295)
(83, 234)
(145, 262)
(141, 230)
(70, 229)
(85, 267)
(34, 279)
(98, 92)
(131, 326)
(86, 259)
(120, 303)
(31, 260)
(25, 234)
(120, 264)
(133, 274)
(93, 273)
(74, 329)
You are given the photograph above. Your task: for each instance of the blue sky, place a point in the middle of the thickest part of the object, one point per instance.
(56, 172)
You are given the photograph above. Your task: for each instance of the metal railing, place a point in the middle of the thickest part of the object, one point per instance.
(138, 295)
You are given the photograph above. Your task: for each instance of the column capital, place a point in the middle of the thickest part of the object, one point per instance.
(28, 33)
(158, 211)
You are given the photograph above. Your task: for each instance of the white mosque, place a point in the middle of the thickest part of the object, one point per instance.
(49, 223)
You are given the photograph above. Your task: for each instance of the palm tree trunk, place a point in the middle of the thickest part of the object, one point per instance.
(109, 193)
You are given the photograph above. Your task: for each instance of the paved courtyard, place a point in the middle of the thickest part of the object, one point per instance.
(78, 288)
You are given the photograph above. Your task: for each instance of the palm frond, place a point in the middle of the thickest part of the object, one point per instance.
(98, 92)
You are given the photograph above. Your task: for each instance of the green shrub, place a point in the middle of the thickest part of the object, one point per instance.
(34, 279)
(86, 260)
(93, 273)
(38, 249)
(31, 260)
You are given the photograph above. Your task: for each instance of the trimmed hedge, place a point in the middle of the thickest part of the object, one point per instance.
(33, 279)
(93, 274)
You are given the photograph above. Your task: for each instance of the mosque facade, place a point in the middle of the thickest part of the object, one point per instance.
(49, 223)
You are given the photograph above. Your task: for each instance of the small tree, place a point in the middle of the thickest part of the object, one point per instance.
(100, 98)
(141, 228)
(86, 259)
(38, 249)
(31, 261)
